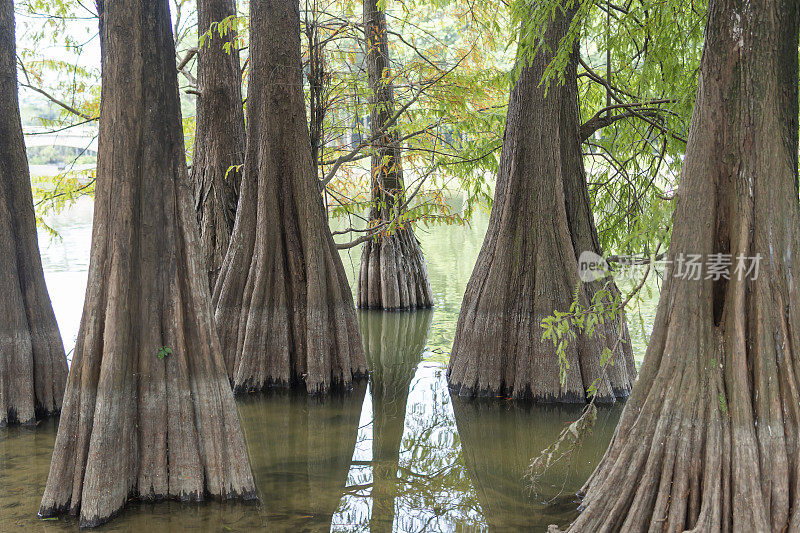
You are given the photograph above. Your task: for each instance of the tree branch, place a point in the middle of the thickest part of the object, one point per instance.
(58, 102)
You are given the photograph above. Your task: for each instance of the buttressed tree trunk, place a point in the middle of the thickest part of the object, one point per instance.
(148, 411)
(393, 274)
(540, 224)
(220, 137)
(284, 310)
(33, 368)
(709, 438)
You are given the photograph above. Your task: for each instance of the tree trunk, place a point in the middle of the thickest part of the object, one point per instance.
(219, 137)
(33, 368)
(148, 411)
(394, 343)
(284, 310)
(527, 268)
(709, 438)
(393, 274)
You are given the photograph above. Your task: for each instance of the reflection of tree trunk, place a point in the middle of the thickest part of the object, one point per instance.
(393, 343)
(219, 136)
(33, 368)
(498, 442)
(139, 421)
(393, 274)
(301, 449)
(527, 268)
(710, 439)
(284, 309)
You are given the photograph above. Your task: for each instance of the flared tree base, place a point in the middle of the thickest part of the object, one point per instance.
(393, 275)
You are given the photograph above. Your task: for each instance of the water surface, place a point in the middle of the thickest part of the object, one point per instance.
(396, 453)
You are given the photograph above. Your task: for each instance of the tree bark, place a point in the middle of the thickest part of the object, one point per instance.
(139, 421)
(540, 223)
(219, 136)
(393, 274)
(709, 438)
(394, 343)
(33, 367)
(284, 310)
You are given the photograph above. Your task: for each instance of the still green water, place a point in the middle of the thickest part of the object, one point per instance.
(398, 453)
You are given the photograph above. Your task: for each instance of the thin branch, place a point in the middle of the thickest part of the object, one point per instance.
(58, 102)
(190, 53)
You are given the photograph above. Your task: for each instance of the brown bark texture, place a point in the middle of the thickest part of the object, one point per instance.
(394, 344)
(709, 438)
(284, 310)
(138, 421)
(540, 223)
(219, 140)
(393, 274)
(33, 367)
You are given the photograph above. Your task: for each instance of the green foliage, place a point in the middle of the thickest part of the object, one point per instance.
(222, 29)
(561, 328)
(452, 66)
(51, 194)
(164, 352)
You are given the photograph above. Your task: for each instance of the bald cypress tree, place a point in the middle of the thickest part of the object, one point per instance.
(33, 367)
(219, 137)
(709, 439)
(284, 309)
(541, 222)
(148, 411)
(393, 274)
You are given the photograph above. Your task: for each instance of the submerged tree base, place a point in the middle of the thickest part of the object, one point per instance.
(33, 367)
(393, 274)
(527, 269)
(148, 411)
(709, 440)
(284, 309)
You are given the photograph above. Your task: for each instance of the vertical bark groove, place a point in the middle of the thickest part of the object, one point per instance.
(540, 223)
(137, 421)
(284, 310)
(33, 367)
(709, 439)
(393, 274)
(219, 137)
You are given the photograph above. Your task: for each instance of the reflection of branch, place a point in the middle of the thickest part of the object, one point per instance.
(429, 477)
